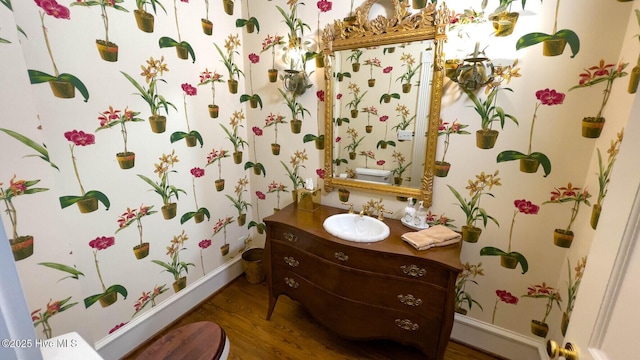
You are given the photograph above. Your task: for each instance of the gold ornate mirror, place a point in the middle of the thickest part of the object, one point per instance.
(384, 77)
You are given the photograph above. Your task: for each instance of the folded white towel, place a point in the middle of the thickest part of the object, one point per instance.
(438, 235)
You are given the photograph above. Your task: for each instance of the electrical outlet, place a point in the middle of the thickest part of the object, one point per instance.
(405, 135)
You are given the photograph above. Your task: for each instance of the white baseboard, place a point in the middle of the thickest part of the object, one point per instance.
(495, 340)
(138, 330)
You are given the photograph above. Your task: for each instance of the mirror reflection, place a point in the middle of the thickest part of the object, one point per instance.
(381, 123)
(384, 77)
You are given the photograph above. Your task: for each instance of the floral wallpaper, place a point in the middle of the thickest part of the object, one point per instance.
(226, 145)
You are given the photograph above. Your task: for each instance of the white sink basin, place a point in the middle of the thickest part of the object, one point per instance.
(353, 227)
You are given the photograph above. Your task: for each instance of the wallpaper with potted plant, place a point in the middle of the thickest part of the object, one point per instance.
(57, 134)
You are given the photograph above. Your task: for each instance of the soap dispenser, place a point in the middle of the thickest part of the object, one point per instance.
(420, 219)
(409, 212)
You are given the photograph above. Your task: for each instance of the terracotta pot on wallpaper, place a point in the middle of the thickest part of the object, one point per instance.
(406, 88)
(592, 127)
(108, 299)
(553, 47)
(508, 261)
(224, 249)
(253, 265)
(294, 196)
(562, 238)
(219, 184)
(169, 210)
(207, 26)
(233, 86)
(441, 168)
(352, 155)
(296, 126)
(386, 98)
(87, 205)
(564, 324)
(214, 111)
(529, 165)
(486, 139)
(368, 129)
(371, 82)
(108, 50)
(319, 144)
(539, 328)
(251, 27)
(191, 140)
(22, 247)
(62, 89)
(354, 113)
(180, 284)
(237, 157)
(355, 67)
(275, 149)
(126, 160)
(253, 103)
(320, 61)
(504, 23)
(273, 75)
(141, 251)
(158, 123)
(198, 217)
(144, 20)
(471, 234)
(397, 180)
(418, 4)
(182, 52)
(242, 219)
(343, 195)
(228, 6)
(595, 215)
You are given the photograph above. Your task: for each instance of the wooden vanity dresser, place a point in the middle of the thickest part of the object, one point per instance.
(364, 291)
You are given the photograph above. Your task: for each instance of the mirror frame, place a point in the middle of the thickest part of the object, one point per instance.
(426, 24)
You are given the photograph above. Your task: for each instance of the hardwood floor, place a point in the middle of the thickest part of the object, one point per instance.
(291, 334)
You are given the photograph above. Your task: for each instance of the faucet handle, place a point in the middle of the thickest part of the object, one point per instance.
(350, 206)
(382, 211)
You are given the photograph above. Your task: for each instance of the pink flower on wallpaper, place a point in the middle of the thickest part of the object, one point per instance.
(197, 172)
(387, 70)
(380, 162)
(260, 195)
(204, 243)
(254, 58)
(526, 207)
(324, 5)
(257, 131)
(80, 137)
(117, 327)
(384, 118)
(338, 138)
(52, 8)
(189, 89)
(102, 242)
(339, 96)
(320, 95)
(507, 297)
(550, 97)
(320, 173)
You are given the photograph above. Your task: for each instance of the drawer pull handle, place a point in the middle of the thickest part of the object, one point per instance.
(291, 261)
(290, 237)
(413, 270)
(342, 256)
(292, 283)
(410, 300)
(406, 324)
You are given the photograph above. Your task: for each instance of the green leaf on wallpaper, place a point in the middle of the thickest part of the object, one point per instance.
(493, 251)
(179, 135)
(252, 20)
(75, 273)
(66, 201)
(166, 42)
(251, 165)
(537, 37)
(41, 149)
(7, 3)
(187, 216)
(509, 155)
(90, 300)
(38, 77)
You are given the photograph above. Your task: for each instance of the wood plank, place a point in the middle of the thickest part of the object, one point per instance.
(291, 334)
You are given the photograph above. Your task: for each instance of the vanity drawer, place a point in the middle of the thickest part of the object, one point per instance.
(363, 259)
(362, 286)
(357, 320)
